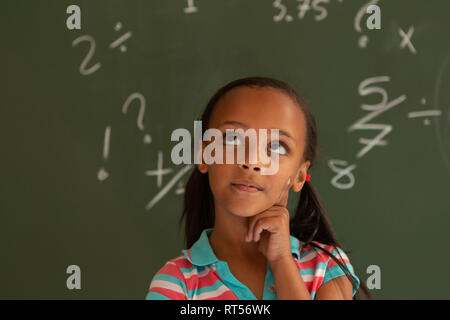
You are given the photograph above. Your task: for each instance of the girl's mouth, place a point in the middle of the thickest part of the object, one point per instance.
(246, 185)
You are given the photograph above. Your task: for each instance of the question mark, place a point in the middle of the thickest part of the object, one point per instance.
(362, 41)
(140, 125)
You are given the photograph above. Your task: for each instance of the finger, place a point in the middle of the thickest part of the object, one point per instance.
(282, 201)
(253, 220)
(271, 223)
(263, 224)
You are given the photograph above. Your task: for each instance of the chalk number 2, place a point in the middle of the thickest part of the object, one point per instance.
(89, 55)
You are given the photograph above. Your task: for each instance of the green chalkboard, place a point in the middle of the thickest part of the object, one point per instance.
(86, 117)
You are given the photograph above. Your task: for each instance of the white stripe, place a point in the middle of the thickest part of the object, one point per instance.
(308, 277)
(167, 285)
(308, 257)
(314, 253)
(341, 256)
(211, 294)
(319, 273)
(172, 261)
(180, 257)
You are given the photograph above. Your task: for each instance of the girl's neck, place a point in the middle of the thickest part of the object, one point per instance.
(228, 238)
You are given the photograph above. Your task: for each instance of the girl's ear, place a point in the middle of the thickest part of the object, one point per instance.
(300, 177)
(202, 167)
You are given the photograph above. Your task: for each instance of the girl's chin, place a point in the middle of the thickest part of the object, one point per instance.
(246, 212)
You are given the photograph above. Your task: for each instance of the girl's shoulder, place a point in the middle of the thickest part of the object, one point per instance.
(319, 263)
(169, 282)
(320, 252)
(178, 263)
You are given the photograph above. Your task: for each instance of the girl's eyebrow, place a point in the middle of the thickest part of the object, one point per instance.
(237, 123)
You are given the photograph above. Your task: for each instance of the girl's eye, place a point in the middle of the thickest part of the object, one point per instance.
(277, 147)
(232, 139)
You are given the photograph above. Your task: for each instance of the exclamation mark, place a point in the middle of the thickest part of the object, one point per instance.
(102, 173)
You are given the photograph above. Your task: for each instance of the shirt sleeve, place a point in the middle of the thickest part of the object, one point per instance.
(167, 284)
(334, 270)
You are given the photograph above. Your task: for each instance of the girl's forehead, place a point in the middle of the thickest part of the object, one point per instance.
(260, 108)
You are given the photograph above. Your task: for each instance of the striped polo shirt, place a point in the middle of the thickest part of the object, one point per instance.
(197, 274)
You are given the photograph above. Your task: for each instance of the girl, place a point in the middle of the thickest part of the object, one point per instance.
(242, 243)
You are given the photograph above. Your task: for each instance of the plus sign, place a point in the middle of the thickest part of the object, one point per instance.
(159, 172)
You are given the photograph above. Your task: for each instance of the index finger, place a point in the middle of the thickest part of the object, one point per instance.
(282, 201)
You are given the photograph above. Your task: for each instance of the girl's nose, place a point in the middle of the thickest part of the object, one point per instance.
(250, 166)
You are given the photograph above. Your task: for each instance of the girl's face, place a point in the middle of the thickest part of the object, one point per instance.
(257, 108)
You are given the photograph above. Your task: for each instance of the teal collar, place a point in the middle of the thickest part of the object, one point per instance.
(201, 253)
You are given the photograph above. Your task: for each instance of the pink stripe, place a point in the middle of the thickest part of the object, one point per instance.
(184, 263)
(311, 264)
(171, 270)
(333, 263)
(195, 282)
(189, 253)
(228, 295)
(169, 293)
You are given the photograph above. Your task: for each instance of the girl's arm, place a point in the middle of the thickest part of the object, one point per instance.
(288, 281)
(290, 286)
(339, 288)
